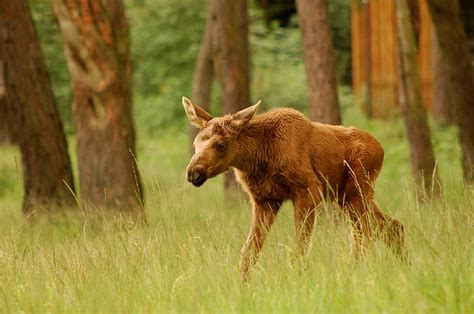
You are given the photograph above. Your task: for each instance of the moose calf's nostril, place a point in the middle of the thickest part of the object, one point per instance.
(189, 176)
(195, 176)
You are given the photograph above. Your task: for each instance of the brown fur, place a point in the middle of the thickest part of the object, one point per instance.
(280, 155)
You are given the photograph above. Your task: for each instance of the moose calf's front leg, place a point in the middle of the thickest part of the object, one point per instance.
(263, 215)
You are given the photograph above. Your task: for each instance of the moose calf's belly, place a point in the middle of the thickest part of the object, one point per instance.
(271, 188)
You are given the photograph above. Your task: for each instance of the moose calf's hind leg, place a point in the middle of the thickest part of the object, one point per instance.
(361, 226)
(358, 197)
(390, 231)
(369, 221)
(305, 214)
(263, 216)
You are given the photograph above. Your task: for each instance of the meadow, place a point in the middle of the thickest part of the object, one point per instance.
(185, 259)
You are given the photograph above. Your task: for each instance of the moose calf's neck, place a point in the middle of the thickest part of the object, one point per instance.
(253, 142)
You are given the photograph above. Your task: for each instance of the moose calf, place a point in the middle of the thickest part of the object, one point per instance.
(280, 155)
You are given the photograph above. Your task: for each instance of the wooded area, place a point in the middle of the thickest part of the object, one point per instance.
(96, 45)
(377, 79)
(411, 103)
(374, 50)
(30, 109)
(318, 55)
(97, 50)
(457, 66)
(230, 51)
(99, 210)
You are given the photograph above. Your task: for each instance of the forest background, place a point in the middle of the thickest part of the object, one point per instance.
(163, 59)
(185, 258)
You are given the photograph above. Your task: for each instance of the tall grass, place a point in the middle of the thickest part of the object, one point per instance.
(186, 259)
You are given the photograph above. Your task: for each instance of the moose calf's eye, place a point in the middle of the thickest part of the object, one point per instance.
(220, 146)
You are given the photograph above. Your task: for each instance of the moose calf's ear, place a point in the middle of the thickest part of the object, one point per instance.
(244, 116)
(197, 116)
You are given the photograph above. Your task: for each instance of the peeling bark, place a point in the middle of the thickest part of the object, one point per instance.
(96, 45)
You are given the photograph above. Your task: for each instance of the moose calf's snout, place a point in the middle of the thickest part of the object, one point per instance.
(197, 175)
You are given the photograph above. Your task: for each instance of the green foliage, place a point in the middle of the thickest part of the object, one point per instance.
(340, 15)
(284, 48)
(165, 38)
(278, 75)
(9, 180)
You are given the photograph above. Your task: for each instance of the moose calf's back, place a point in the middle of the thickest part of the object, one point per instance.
(299, 154)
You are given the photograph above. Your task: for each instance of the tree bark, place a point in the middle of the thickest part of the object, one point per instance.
(7, 129)
(231, 59)
(30, 106)
(414, 113)
(318, 56)
(96, 44)
(443, 107)
(7, 135)
(457, 65)
(203, 71)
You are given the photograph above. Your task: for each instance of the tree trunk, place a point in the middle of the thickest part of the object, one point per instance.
(231, 58)
(7, 135)
(203, 72)
(30, 106)
(414, 113)
(318, 56)
(457, 65)
(443, 107)
(96, 44)
(7, 129)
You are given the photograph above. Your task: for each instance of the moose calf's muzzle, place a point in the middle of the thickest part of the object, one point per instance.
(197, 175)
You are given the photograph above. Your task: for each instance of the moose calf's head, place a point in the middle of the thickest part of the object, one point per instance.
(217, 144)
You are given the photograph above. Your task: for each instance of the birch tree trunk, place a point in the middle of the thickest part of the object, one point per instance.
(28, 103)
(414, 113)
(318, 56)
(96, 45)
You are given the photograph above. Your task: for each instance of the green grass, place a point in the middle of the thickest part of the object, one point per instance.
(186, 259)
